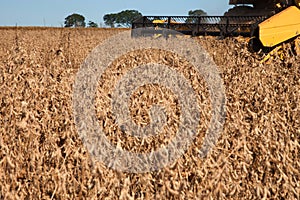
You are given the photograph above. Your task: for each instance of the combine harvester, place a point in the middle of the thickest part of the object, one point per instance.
(268, 24)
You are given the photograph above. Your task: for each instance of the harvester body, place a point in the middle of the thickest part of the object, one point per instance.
(271, 22)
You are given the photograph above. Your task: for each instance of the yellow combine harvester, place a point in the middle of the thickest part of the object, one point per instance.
(282, 25)
(268, 22)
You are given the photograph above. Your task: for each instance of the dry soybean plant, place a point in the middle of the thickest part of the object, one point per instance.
(42, 157)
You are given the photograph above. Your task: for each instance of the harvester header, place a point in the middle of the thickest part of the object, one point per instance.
(268, 22)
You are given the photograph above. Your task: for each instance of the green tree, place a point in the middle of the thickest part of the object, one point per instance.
(121, 19)
(125, 18)
(110, 20)
(92, 24)
(75, 20)
(197, 12)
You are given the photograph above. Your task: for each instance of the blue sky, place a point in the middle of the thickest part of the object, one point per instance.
(53, 12)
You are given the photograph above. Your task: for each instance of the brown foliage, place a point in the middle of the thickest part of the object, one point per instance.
(42, 157)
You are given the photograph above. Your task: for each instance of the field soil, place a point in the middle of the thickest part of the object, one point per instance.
(42, 156)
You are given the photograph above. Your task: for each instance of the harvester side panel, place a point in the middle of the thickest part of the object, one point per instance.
(280, 27)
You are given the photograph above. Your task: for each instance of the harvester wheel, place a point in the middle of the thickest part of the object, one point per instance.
(255, 45)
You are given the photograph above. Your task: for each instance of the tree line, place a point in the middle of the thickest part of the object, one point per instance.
(120, 19)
